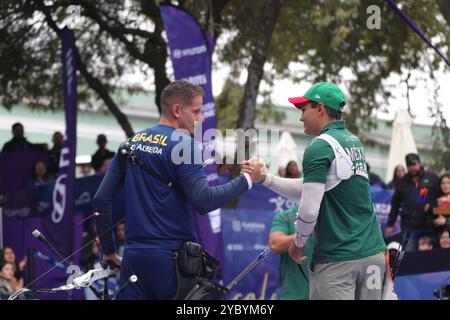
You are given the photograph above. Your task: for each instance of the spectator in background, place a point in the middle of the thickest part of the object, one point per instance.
(85, 169)
(443, 200)
(120, 238)
(282, 171)
(19, 142)
(39, 175)
(9, 256)
(18, 268)
(374, 179)
(399, 173)
(444, 239)
(89, 260)
(105, 165)
(425, 243)
(8, 284)
(292, 170)
(294, 278)
(54, 153)
(418, 217)
(101, 154)
(90, 254)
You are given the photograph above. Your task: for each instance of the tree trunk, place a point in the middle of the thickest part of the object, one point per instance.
(444, 6)
(156, 49)
(247, 107)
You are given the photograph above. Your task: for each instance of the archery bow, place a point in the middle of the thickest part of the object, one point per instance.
(85, 280)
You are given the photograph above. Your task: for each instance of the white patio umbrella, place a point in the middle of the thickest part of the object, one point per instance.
(402, 142)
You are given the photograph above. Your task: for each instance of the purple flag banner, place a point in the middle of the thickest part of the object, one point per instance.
(62, 216)
(191, 49)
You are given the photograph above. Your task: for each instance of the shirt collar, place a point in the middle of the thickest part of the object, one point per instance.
(339, 124)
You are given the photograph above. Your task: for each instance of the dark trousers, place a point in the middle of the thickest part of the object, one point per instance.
(155, 271)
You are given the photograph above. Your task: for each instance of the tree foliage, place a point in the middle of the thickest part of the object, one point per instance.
(115, 39)
(331, 40)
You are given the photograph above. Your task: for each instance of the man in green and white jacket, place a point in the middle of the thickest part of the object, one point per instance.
(349, 253)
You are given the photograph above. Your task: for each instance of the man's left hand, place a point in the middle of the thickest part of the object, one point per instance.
(297, 254)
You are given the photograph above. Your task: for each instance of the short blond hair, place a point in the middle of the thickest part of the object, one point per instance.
(179, 90)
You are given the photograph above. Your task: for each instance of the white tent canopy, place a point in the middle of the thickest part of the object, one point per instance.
(402, 142)
(287, 149)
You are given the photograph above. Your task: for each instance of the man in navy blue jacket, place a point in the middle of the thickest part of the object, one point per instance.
(159, 217)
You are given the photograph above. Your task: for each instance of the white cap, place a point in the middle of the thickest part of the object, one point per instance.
(394, 245)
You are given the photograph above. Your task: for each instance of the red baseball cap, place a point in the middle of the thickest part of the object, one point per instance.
(322, 92)
(297, 101)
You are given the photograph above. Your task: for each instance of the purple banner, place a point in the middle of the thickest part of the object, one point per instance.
(246, 234)
(263, 199)
(62, 215)
(191, 49)
(381, 199)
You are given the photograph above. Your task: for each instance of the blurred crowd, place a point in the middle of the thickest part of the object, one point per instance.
(12, 275)
(47, 170)
(417, 194)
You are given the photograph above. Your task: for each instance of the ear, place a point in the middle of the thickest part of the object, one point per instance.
(176, 110)
(321, 107)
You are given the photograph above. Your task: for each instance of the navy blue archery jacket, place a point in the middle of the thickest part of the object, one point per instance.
(159, 216)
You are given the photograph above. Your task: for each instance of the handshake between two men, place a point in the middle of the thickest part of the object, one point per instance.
(287, 187)
(256, 168)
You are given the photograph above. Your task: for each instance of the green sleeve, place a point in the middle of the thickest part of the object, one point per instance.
(278, 224)
(282, 221)
(317, 159)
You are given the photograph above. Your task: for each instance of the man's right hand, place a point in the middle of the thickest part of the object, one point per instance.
(256, 169)
(388, 231)
(115, 259)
